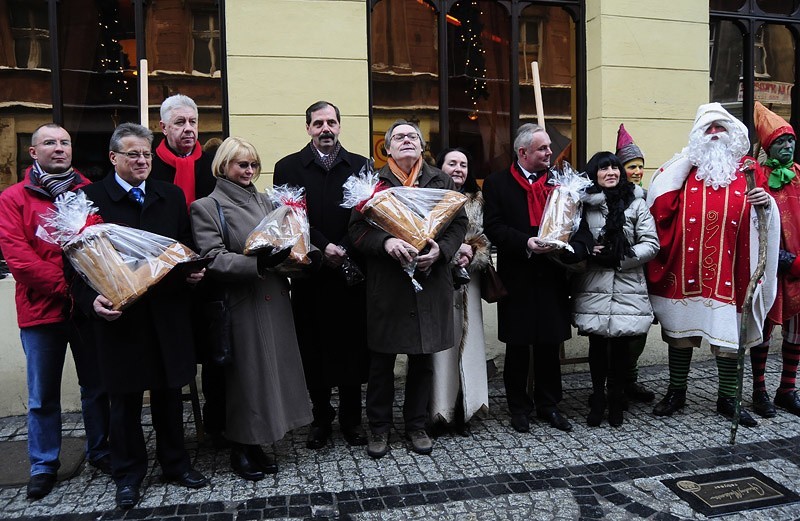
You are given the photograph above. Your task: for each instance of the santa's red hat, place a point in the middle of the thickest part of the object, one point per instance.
(626, 148)
(769, 125)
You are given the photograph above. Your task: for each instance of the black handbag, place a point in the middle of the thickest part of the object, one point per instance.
(217, 313)
(492, 288)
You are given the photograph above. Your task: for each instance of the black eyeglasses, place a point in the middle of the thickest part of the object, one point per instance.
(133, 156)
(399, 138)
(244, 164)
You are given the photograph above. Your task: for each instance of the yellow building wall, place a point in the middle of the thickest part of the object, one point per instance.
(283, 55)
(647, 67)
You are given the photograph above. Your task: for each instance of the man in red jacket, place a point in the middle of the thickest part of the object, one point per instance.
(44, 312)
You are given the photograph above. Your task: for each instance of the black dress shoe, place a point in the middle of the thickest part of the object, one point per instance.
(556, 420)
(674, 400)
(726, 407)
(103, 464)
(189, 479)
(354, 436)
(127, 496)
(40, 485)
(639, 393)
(318, 436)
(243, 466)
(261, 460)
(520, 422)
(762, 405)
(789, 401)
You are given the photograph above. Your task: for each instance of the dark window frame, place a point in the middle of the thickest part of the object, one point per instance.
(141, 52)
(749, 19)
(576, 10)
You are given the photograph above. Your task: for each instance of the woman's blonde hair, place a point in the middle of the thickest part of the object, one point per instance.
(229, 150)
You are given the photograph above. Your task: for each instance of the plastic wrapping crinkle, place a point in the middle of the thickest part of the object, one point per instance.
(284, 227)
(562, 211)
(118, 262)
(411, 214)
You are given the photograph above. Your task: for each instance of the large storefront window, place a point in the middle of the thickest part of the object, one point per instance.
(485, 47)
(753, 56)
(90, 84)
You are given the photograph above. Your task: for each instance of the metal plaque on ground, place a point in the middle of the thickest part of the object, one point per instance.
(728, 491)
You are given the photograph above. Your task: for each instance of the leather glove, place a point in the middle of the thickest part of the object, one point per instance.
(785, 261)
(605, 259)
(269, 258)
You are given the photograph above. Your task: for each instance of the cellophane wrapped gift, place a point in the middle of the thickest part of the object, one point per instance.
(118, 262)
(562, 211)
(411, 214)
(284, 227)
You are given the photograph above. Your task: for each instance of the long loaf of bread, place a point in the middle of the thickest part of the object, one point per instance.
(396, 219)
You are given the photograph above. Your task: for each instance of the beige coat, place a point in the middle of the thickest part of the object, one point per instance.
(266, 389)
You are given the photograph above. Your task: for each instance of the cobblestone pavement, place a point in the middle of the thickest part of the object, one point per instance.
(494, 473)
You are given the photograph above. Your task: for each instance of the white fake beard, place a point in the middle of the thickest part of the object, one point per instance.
(716, 164)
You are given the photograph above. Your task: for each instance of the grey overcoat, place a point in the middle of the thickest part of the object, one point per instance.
(266, 390)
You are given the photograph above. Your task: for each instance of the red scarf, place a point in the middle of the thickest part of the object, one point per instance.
(184, 168)
(536, 192)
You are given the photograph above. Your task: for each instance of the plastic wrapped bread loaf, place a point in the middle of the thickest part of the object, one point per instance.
(118, 262)
(562, 211)
(285, 227)
(444, 212)
(396, 219)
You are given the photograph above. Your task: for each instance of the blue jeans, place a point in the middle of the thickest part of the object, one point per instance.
(45, 348)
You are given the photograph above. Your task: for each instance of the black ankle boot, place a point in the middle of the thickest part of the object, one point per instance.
(616, 408)
(597, 406)
(242, 465)
(674, 400)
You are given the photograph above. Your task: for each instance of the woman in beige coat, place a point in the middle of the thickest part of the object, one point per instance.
(460, 385)
(265, 388)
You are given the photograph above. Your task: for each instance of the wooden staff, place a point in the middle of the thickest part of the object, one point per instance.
(747, 168)
(537, 94)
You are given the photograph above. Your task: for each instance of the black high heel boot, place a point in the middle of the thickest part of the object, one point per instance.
(597, 407)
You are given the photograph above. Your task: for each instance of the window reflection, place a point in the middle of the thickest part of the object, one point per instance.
(479, 79)
(546, 36)
(779, 6)
(98, 66)
(404, 70)
(726, 41)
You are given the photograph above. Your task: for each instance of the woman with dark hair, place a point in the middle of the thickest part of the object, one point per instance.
(610, 298)
(460, 387)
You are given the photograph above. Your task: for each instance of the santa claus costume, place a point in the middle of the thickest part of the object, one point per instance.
(709, 249)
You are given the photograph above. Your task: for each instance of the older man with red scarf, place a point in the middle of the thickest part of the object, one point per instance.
(180, 159)
(709, 248)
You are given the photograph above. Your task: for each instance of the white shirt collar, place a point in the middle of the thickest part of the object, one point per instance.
(126, 185)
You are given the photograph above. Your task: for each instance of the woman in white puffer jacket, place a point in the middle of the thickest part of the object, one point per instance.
(610, 301)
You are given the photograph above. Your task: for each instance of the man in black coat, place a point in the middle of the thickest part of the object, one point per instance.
(535, 314)
(329, 314)
(179, 159)
(149, 345)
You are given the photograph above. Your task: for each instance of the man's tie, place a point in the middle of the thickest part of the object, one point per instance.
(137, 195)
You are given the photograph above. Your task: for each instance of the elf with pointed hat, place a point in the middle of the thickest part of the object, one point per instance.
(778, 139)
(632, 159)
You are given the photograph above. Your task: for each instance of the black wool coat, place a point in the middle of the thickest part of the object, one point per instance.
(150, 346)
(329, 315)
(536, 309)
(400, 320)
